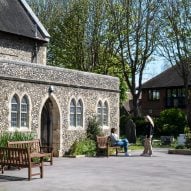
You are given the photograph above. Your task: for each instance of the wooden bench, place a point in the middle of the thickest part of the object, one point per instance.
(167, 140)
(104, 144)
(34, 147)
(110, 146)
(21, 158)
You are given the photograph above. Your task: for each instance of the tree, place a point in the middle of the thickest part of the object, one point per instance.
(175, 40)
(79, 36)
(134, 26)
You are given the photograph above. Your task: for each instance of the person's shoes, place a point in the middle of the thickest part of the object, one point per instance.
(148, 155)
(142, 154)
(127, 154)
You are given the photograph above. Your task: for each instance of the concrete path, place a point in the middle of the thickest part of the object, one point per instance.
(162, 172)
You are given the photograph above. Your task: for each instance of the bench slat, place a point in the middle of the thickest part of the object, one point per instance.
(34, 147)
(19, 157)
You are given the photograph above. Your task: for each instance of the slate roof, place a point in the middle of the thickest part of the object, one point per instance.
(168, 78)
(16, 17)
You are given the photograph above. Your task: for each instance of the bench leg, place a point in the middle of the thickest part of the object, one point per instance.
(116, 152)
(41, 168)
(107, 152)
(2, 169)
(51, 160)
(29, 172)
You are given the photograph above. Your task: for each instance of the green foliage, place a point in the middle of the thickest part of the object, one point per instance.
(180, 147)
(15, 136)
(172, 122)
(188, 137)
(93, 128)
(123, 120)
(83, 147)
(140, 124)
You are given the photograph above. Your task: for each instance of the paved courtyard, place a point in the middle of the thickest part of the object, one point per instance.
(162, 172)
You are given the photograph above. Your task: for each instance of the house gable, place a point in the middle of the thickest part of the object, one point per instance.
(168, 78)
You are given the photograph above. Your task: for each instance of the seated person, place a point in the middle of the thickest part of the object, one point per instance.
(115, 141)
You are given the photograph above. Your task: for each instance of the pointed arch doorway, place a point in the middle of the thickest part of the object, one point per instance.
(50, 125)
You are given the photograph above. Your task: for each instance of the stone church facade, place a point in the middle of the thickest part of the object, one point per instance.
(53, 102)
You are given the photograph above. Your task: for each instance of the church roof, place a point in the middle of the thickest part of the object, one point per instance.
(168, 78)
(16, 17)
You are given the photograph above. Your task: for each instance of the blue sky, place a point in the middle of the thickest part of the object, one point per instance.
(154, 68)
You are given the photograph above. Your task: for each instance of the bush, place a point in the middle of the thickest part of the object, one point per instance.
(15, 136)
(140, 124)
(93, 128)
(123, 121)
(180, 147)
(188, 137)
(172, 122)
(83, 147)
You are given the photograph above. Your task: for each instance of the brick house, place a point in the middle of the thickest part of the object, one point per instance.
(163, 91)
(55, 103)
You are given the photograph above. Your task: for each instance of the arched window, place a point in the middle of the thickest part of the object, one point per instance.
(99, 112)
(15, 111)
(76, 113)
(79, 113)
(73, 113)
(102, 113)
(24, 112)
(105, 114)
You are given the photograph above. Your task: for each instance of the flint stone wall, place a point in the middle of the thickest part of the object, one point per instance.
(13, 47)
(34, 81)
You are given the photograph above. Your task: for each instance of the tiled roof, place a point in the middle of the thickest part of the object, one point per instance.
(16, 17)
(168, 78)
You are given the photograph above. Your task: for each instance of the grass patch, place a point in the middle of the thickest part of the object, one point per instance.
(136, 147)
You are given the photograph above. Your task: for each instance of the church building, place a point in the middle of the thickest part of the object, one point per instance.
(53, 102)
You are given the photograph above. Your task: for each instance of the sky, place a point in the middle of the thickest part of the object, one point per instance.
(154, 68)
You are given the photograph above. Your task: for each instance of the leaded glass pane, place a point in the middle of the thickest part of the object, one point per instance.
(99, 112)
(72, 113)
(14, 120)
(14, 111)
(72, 120)
(23, 119)
(24, 112)
(79, 113)
(105, 114)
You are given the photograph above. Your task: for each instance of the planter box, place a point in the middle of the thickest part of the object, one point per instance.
(180, 151)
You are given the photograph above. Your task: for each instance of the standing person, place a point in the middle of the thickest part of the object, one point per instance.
(115, 141)
(149, 128)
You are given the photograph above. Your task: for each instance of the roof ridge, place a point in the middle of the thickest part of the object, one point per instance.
(35, 19)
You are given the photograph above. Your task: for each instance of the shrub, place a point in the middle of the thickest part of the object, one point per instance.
(123, 121)
(15, 136)
(93, 128)
(83, 147)
(140, 124)
(172, 122)
(188, 137)
(180, 147)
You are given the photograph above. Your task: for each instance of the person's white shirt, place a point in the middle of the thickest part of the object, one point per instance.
(114, 138)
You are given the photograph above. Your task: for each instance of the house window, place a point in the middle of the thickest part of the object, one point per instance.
(76, 113)
(102, 113)
(154, 95)
(15, 111)
(19, 112)
(175, 97)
